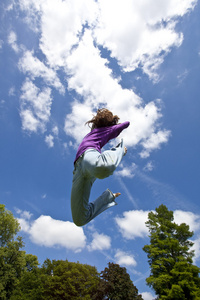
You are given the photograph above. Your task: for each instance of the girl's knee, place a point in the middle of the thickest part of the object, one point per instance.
(79, 222)
(102, 172)
(79, 219)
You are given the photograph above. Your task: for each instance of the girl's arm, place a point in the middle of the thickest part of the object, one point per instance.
(117, 129)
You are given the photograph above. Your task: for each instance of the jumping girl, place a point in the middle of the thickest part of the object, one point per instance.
(90, 164)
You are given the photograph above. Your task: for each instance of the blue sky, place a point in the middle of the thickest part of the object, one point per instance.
(59, 62)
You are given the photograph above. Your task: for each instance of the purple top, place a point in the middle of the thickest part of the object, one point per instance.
(98, 137)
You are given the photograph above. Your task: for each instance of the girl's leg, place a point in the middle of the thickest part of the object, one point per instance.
(108, 161)
(80, 194)
(93, 165)
(105, 201)
(83, 211)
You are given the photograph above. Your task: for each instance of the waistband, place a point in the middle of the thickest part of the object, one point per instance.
(79, 159)
(86, 151)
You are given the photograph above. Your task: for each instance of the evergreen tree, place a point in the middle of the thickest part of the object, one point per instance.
(12, 259)
(116, 284)
(173, 276)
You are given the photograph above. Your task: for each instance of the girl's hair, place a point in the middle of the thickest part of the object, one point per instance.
(103, 118)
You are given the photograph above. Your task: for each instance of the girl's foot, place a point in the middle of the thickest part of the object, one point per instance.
(116, 195)
(125, 150)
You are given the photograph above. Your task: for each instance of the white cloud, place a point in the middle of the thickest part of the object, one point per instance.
(196, 248)
(2, 102)
(74, 122)
(33, 12)
(132, 224)
(29, 122)
(55, 130)
(82, 66)
(12, 41)
(49, 140)
(182, 76)
(149, 166)
(24, 214)
(61, 24)
(147, 296)
(191, 219)
(126, 171)
(138, 34)
(9, 6)
(11, 91)
(35, 68)
(35, 107)
(100, 242)
(24, 219)
(48, 232)
(101, 89)
(24, 224)
(123, 258)
(97, 88)
(154, 141)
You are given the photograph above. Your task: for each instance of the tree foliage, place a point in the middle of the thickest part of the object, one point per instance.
(173, 276)
(68, 280)
(21, 278)
(12, 259)
(116, 284)
(30, 285)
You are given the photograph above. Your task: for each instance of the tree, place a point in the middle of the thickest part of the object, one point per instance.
(68, 280)
(12, 259)
(116, 284)
(30, 285)
(173, 276)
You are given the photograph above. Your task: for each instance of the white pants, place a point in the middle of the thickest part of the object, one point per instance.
(88, 167)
